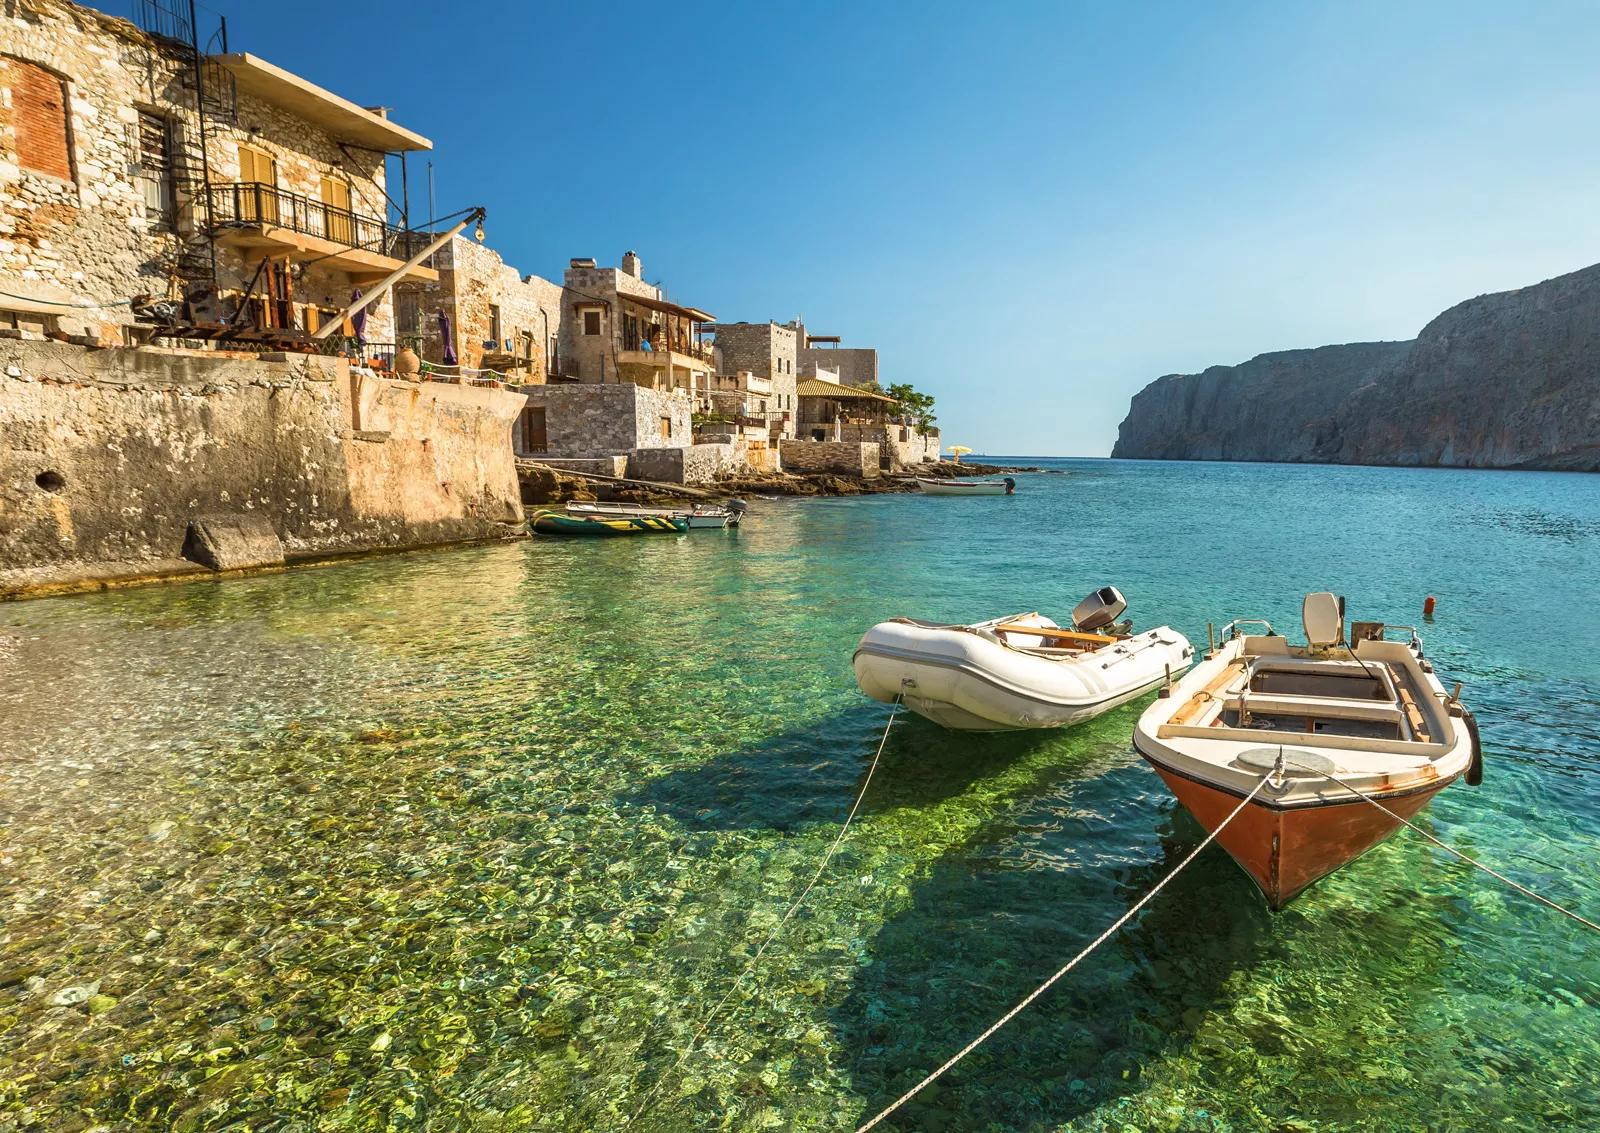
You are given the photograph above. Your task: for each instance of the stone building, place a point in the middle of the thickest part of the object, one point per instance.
(834, 414)
(821, 355)
(261, 202)
(758, 360)
(499, 319)
(624, 329)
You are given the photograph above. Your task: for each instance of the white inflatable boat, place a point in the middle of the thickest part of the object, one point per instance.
(1023, 671)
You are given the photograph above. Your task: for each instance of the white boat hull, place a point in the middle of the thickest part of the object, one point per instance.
(967, 681)
(963, 487)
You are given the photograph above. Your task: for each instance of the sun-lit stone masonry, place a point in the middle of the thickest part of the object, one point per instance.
(102, 183)
(110, 456)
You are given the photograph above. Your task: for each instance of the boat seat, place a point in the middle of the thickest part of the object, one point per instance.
(1327, 707)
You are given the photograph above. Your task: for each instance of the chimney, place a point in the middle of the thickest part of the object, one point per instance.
(630, 264)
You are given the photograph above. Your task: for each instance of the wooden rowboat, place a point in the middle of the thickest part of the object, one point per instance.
(1329, 724)
(931, 487)
(547, 522)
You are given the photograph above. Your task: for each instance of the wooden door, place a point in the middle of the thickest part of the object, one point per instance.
(534, 438)
(340, 220)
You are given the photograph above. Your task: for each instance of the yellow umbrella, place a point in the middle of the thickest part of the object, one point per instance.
(958, 450)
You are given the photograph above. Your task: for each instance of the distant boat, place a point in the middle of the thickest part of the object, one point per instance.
(698, 516)
(931, 487)
(1319, 722)
(1022, 671)
(547, 522)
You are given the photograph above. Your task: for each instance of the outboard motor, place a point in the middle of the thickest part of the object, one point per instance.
(1011, 485)
(1098, 610)
(738, 507)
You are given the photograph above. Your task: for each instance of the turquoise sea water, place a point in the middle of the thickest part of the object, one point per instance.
(472, 839)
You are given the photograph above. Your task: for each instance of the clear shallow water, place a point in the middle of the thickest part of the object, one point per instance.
(471, 840)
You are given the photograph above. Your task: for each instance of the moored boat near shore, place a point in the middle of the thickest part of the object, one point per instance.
(547, 522)
(1333, 725)
(1018, 672)
(932, 487)
(699, 516)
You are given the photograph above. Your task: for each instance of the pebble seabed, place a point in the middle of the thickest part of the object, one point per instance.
(472, 840)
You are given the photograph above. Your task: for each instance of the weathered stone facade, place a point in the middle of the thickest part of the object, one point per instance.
(767, 352)
(482, 294)
(588, 420)
(688, 464)
(899, 446)
(850, 458)
(851, 365)
(117, 227)
(110, 454)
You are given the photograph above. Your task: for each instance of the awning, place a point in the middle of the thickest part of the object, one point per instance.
(342, 118)
(691, 313)
(814, 387)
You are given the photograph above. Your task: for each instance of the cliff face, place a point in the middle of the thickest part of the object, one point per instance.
(1274, 407)
(1510, 380)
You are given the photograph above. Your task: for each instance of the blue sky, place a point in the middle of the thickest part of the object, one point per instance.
(1030, 210)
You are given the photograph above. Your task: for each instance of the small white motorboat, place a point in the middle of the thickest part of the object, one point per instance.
(1023, 671)
(698, 516)
(1321, 722)
(932, 487)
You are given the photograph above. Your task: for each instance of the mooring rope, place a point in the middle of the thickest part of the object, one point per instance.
(1523, 889)
(1044, 987)
(794, 908)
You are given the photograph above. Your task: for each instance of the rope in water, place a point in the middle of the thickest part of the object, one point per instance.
(793, 908)
(1044, 987)
(1523, 889)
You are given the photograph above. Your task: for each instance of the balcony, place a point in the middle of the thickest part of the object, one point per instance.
(274, 222)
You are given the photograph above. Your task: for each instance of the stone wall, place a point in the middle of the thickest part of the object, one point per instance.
(857, 366)
(688, 464)
(852, 458)
(91, 237)
(586, 419)
(766, 350)
(106, 456)
(472, 279)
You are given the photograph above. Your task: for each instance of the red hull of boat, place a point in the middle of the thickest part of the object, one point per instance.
(1285, 850)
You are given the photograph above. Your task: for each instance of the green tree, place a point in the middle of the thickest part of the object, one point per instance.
(915, 407)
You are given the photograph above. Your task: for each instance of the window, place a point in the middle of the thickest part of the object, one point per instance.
(258, 173)
(494, 324)
(591, 322)
(552, 355)
(763, 405)
(155, 168)
(666, 428)
(259, 167)
(408, 311)
(337, 217)
(39, 112)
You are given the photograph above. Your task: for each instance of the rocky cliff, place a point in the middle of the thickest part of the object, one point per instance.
(1510, 380)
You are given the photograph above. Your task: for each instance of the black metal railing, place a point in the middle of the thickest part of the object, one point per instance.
(379, 354)
(167, 22)
(244, 204)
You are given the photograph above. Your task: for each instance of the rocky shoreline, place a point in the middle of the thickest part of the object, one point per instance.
(544, 487)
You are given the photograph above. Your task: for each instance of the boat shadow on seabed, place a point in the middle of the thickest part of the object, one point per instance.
(811, 775)
(976, 940)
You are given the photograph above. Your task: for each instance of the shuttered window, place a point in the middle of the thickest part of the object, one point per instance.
(39, 112)
(408, 311)
(155, 168)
